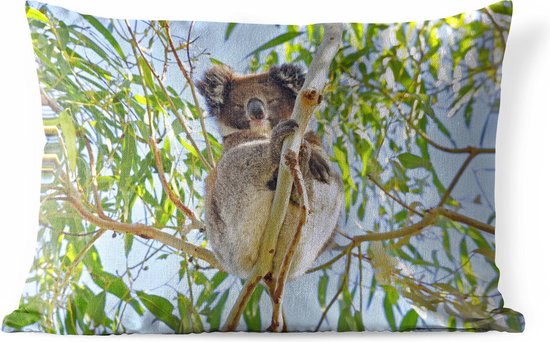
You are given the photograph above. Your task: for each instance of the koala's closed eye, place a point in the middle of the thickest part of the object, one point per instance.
(238, 108)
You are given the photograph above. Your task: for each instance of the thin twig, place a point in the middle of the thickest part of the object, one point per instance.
(168, 190)
(456, 178)
(193, 94)
(97, 198)
(48, 101)
(403, 204)
(340, 289)
(187, 49)
(180, 117)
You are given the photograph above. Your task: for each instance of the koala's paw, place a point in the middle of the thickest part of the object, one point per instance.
(280, 132)
(319, 167)
(284, 129)
(303, 158)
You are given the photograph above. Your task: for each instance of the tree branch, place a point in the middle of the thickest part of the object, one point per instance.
(428, 219)
(239, 306)
(146, 232)
(484, 227)
(195, 223)
(457, 177)
(97, 199)
(306, 102)
(284, 269)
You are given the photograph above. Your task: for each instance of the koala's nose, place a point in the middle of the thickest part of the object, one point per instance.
(255, 109)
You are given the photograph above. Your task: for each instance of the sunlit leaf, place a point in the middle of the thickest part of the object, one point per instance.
(33, 13)
(69, 137)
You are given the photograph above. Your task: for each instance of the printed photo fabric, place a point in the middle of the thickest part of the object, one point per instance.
(204, 176)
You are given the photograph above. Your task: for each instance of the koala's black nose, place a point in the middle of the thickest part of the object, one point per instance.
(255, 109)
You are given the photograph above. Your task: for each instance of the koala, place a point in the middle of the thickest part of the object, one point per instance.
(252, 114)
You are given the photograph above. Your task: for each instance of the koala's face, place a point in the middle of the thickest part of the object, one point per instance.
(255, 102)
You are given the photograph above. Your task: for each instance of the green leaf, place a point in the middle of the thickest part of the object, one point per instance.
(129, 153)
(161, 308)
(229, 30)
(322, 291)
(409, 321)
(276, 41)
(391, 294)
(209, 287)
(33, 13)
(346, 321)
(105, 183)
(19, 319)
(71, 317)
(69, 137)
(214, 317)
(412, 161)
(359, 321)
(502, 7)
(128, 243)
(147, 75)
(251, 313)
(106, 33)
(116, 286)
(96, 309)
(388, 311)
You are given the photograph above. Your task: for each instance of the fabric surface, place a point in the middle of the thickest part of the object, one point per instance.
(165, 151)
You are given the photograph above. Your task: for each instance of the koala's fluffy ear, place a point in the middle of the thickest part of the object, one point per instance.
(290, 76)
(214, 87)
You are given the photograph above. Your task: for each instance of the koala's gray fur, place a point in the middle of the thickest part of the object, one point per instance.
(239, 191)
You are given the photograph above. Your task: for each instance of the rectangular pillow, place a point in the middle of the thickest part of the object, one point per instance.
(203, 176)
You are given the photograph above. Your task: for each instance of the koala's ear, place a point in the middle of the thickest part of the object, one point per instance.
(289, 76)
(214, 86)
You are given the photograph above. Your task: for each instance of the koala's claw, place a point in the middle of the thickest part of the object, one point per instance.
(280, 132)
(319, 167)
(284, 129)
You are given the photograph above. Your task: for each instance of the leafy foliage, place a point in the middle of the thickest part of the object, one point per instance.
(407, 117)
